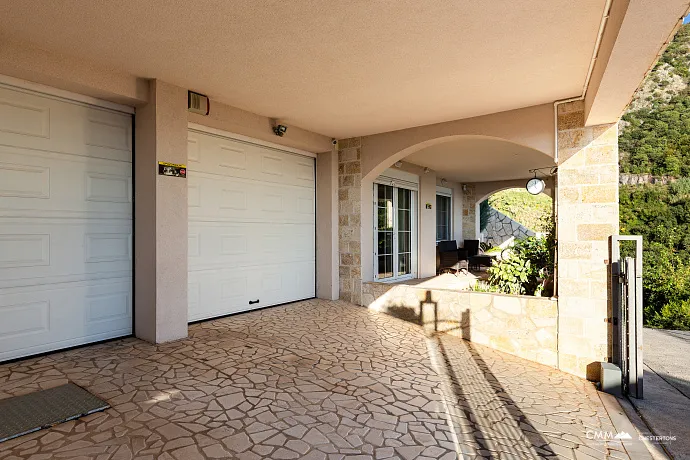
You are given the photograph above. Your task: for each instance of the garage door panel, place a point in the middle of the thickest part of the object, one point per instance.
(240, 160)
(65, 223)
(52, 250)
(33, 121)
(218, 292)
(214, 198)
(251, 226)
(60, 184)
(248, 244)
(39, 320)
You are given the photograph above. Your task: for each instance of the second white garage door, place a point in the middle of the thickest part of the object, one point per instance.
(251, 226)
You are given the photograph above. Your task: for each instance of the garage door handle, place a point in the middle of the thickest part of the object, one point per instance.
(252, 302)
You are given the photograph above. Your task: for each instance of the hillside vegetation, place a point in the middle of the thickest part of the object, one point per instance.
(532, 211)
(654, 139)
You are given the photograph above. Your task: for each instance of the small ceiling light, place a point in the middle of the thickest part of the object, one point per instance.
(280, 130)
(398, 164)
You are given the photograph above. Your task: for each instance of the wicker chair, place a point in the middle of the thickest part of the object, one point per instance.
(449, 260)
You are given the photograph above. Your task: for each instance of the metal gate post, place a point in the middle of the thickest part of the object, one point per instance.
(637, 379)
(627, 310)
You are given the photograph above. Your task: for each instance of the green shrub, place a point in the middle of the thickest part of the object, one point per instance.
(674, 315)
(529, 269)
(533, 211)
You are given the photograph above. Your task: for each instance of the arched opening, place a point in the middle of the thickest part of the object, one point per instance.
(448, 172)
(510, 214)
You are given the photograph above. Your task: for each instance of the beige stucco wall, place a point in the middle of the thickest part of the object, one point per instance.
(160, 260)
(587, 214)
(64, 72)
(327, 279)
(531, 127)
(427, 224)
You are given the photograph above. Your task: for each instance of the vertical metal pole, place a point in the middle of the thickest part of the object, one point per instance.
(614, 258)
(639, 364)
(623, 325)
(631, 301)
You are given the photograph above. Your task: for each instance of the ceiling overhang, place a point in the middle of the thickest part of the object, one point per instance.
(636, 33)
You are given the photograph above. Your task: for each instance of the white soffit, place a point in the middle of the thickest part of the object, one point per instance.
(337, 68)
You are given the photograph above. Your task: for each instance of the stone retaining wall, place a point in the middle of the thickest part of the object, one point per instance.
(523, 326)
(500, 228)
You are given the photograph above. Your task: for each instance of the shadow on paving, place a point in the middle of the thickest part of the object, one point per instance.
(484, 417)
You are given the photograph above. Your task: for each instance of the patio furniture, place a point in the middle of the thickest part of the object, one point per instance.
(476, 262)
(448, 257)
(472, 247)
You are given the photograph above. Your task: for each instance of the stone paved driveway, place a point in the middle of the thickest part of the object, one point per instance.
(315, 380)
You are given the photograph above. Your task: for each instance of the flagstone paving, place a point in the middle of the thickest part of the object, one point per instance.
(313, 380)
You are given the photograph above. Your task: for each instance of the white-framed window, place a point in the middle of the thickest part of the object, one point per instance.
(444, 214)
(395, 231)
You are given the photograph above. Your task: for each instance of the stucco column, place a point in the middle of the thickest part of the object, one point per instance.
(327, 280)
(427, 225)
(349, 219)
(587, 194)
(160, 216)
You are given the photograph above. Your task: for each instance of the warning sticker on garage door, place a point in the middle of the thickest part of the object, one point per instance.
(172, 169)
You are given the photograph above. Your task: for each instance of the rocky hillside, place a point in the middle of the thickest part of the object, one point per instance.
(655, 130)
(654, 141)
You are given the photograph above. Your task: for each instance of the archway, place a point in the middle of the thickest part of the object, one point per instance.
(459, 163)
(512, 213)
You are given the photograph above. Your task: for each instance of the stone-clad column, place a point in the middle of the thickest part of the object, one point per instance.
(469, 213)
(349, 219)
(587, 194)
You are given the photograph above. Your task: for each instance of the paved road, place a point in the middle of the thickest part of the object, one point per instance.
(666, 403)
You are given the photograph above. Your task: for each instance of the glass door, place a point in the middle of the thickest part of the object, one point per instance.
(404, 232)
(384, 233)
(394, 233)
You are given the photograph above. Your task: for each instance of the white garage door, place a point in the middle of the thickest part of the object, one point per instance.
(65, 223)
(251, 226)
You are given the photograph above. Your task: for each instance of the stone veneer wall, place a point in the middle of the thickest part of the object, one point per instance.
(587, 214)
(520, 325)
(469, 213)
(500, 228)
(349, 219)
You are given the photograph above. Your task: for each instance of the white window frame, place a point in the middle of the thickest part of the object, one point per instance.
(447, 192)
(414, 237)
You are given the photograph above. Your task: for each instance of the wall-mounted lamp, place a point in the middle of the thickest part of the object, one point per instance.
(464, 187)
(444, 182)
(398, 164)
(426, 170)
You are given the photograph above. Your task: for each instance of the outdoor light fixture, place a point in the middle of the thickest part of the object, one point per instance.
(426, 170)
(280, 130)
(398, 164)
(444, 182)
(535, 185)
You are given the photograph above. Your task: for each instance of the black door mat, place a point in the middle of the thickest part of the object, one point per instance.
(25, 414)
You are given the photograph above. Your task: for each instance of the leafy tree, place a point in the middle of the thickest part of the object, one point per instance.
(655, 139)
